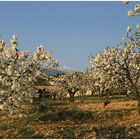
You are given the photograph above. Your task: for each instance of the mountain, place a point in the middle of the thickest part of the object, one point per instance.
(59, 71)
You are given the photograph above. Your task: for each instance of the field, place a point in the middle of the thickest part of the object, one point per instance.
(55, 119)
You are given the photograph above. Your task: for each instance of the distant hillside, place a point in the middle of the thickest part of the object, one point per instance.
(59, 71)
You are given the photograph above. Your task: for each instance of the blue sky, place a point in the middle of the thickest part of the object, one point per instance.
(72, 30)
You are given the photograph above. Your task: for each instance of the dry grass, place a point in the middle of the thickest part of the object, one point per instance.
(77, 120)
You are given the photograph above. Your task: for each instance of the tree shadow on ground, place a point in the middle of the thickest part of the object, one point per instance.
(73, 114)
(59, 113)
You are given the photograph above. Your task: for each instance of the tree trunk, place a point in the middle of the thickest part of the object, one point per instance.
(82, 96)
(133, 86)
(92, 93)
(71, 97)
(40, 93)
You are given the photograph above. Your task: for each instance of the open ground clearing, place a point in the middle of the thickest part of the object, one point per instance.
(55, 119)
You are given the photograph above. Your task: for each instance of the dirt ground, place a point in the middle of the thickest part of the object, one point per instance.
(73, 121)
